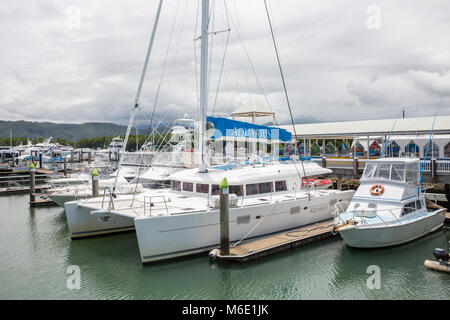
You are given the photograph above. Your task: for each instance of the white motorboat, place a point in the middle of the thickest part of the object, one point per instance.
(388, 208)
(115, 147)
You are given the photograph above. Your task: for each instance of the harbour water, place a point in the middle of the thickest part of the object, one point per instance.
(36, 251)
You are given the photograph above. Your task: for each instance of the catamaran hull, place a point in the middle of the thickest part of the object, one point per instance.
(157, 175)
(83, 224)
(61, 199)
(168, 237)
(391, 235)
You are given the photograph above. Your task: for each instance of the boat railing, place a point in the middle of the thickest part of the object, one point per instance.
(339, 207)
(358, 216)
(110, 198)
(148, 202)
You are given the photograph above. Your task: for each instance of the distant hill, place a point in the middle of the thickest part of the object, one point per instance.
(70, 132)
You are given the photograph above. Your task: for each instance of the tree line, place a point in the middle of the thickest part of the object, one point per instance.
(93, 143)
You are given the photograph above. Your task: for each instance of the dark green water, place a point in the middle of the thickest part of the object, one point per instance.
(35, 251)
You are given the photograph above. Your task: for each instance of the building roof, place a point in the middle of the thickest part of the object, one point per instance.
(351, 129)
(252, 107)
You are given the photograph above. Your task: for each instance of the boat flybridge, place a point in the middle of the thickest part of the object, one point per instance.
(181, 154)
(115, 147)
(388, 208)
(184, 219)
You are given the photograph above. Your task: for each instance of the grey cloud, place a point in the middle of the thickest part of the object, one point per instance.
(335, 67)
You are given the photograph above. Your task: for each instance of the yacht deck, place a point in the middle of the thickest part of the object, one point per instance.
(165, 202)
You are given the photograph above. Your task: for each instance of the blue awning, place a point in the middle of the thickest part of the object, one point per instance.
(233, 129)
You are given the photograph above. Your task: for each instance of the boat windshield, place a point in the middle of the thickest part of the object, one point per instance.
(390, 171)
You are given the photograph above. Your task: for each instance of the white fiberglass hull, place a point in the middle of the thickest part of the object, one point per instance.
(84, 224)
(167, 237)
(61, 199)
(157, 174)
(391, 234)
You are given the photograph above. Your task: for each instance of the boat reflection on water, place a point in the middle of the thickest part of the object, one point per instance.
(399, 268)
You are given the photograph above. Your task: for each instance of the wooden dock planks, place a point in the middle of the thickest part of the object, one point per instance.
(41, 202)
(21, 190)
(255, 249)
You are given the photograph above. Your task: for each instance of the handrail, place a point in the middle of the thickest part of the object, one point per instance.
(150, 200)
(111, 200)
(362, 219)
(104, 194)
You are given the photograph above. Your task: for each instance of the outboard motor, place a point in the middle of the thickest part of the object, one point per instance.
(441, 256)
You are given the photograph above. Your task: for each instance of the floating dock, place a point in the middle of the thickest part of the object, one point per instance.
(21, 190)
(261, 247)
(41, 200)
(255, 249)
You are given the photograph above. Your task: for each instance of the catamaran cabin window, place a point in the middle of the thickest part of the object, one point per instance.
(202, 188)
(188, 186)
(280, 186)
(256, 188)
(175, 185)
(215, 190)
(237, 190)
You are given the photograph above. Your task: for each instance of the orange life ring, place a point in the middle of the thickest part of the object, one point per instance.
(376, 189)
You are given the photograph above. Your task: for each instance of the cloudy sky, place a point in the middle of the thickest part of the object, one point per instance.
(78, 61)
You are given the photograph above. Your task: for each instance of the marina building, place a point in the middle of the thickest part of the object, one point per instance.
(403, 137)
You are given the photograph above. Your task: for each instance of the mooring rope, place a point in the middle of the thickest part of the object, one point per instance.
(254, 227)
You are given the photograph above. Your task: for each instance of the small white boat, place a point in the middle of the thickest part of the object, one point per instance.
(61, 195)
(388, 208)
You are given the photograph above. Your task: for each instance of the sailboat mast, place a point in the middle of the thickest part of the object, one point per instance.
(203, 84)
(138, 94)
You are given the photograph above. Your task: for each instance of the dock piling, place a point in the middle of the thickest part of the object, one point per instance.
(224, 218)
(324, 162)
(433, 170)
(94, 183)
(339, 183)
(65, 167)
(32, 182)
(355, 167)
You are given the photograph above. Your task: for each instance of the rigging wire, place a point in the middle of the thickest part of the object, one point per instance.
(164, 64)
(241, 41)
(288, 103)
(223, 60)
(422, 165)
(158, 90)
